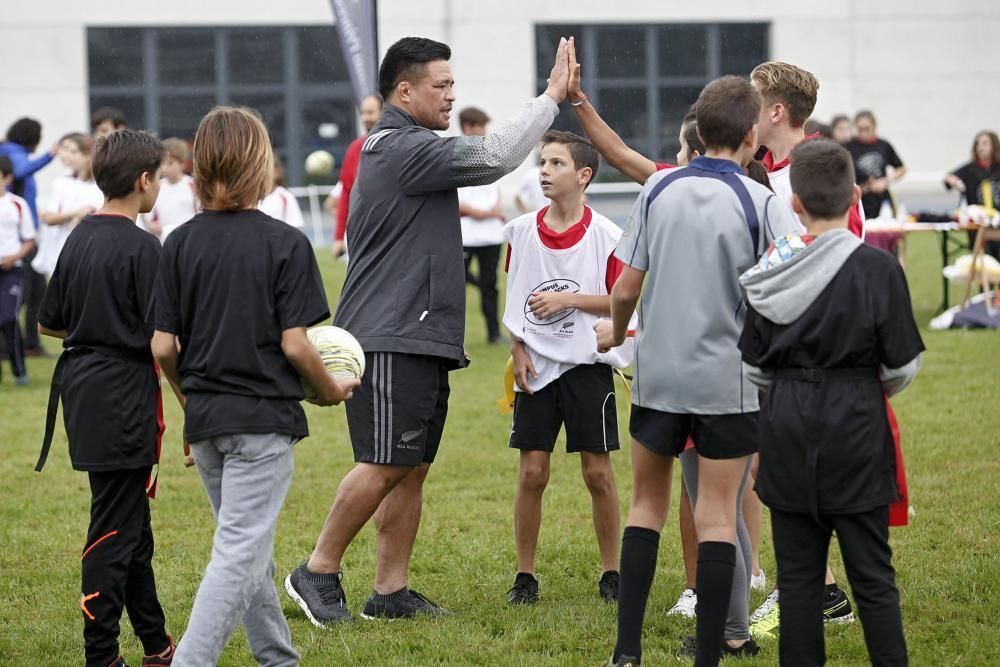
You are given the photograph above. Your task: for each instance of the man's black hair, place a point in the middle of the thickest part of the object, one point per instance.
(405, 60)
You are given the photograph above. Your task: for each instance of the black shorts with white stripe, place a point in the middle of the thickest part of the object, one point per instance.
(582, 398)
(397, 415)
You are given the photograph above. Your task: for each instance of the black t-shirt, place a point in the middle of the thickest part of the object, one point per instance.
(870, 161)
(861, 320)
(100, 295)
(229, 284)
(974, 176)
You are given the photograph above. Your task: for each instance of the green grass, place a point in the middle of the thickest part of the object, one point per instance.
(947, 560)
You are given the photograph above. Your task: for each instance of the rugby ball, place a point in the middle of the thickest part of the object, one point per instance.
(341, 354)
(319, 163)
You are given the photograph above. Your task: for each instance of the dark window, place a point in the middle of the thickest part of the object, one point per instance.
(180, 114)
(256, 55)
(165, 79)
(644, 78)
(320, 57)
(114, 56)
(186, 56)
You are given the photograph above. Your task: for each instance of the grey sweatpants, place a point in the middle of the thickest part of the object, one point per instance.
(738, 618)
(247, 478)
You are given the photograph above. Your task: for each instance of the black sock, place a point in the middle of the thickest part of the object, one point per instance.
(716, 563)
(639, 547)
(832, 589)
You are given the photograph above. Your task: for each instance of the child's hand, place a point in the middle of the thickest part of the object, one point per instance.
(334, 392)
(523, 367)
(546, 304)
(188, 459)
(8, 262)
(605, 331)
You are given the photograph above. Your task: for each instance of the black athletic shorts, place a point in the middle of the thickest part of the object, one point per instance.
(582, 399)
(714, 436)
(397, 414)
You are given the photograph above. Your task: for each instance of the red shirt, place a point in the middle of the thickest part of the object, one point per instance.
(568, 239)
(854, 222)
(348, 174)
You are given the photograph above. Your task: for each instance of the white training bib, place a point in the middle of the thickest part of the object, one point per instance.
(565, 339)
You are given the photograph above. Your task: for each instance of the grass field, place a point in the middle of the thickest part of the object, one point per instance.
(947, 560)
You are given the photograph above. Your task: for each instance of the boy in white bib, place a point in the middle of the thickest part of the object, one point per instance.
(561, 267)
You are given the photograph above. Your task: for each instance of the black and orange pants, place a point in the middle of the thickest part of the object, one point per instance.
(117, 569)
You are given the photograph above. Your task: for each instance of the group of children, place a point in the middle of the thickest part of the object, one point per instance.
(736, 296)
(770, 302)
(115, 298)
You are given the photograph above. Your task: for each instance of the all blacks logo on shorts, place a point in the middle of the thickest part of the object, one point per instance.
(558, 285)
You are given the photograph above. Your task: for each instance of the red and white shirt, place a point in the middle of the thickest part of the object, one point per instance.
(580, 259)
(282, 205)
(779, 174)
(16, 225)
(175, 205)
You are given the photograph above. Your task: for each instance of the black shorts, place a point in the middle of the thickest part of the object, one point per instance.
(714, 436)
(397, 414)
(582, 398)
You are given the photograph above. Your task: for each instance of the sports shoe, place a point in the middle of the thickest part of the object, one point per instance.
(837, 608)
(764, 620)
(689, 649)
(685, 604)
(320, 596)
(161, 659)
(624, 661)
(404, 603)
(608, 586)
(758, 581)
(425, 606)
(118, 662)
(525, 590)
(21, 380)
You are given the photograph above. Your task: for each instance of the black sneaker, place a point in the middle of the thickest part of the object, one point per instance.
(624, 661)
(404, 603)
(608, 586)
(749, 649)
(525, 590)
(425, 606)
(320, 596)
(836, 607)
(118, 662)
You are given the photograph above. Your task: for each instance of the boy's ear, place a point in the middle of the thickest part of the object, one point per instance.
(799, 208)
(585, 175)
(144, 181)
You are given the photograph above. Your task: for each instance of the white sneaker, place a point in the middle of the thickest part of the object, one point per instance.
(685, 604)
(765, 608)
(758, 581)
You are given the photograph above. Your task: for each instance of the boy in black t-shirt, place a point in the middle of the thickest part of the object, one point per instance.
(235, 293)
(829, 333)
(97, 302)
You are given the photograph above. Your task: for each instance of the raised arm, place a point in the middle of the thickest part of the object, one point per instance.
(457, 162)
(633, 164)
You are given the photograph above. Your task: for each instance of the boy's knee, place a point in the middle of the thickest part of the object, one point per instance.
(599, 479)
(534, 477)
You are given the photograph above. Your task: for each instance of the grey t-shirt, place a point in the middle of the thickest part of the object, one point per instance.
(694, 230)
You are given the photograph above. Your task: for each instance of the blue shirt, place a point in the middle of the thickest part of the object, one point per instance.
(24, 170)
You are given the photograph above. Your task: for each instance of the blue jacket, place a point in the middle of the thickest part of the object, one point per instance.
(24, 170)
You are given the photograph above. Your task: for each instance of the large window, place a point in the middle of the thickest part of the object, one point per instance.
(165, 79)
(643, 78)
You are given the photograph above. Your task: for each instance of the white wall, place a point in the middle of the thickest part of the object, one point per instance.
(926, 67)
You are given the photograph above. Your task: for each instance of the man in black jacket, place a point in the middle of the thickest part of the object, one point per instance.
(404, 300)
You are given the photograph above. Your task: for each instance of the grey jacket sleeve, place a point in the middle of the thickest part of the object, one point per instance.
(758, 376)
(895, 380)
(457, 162)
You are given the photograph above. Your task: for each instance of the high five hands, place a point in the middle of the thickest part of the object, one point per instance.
(558, 81)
